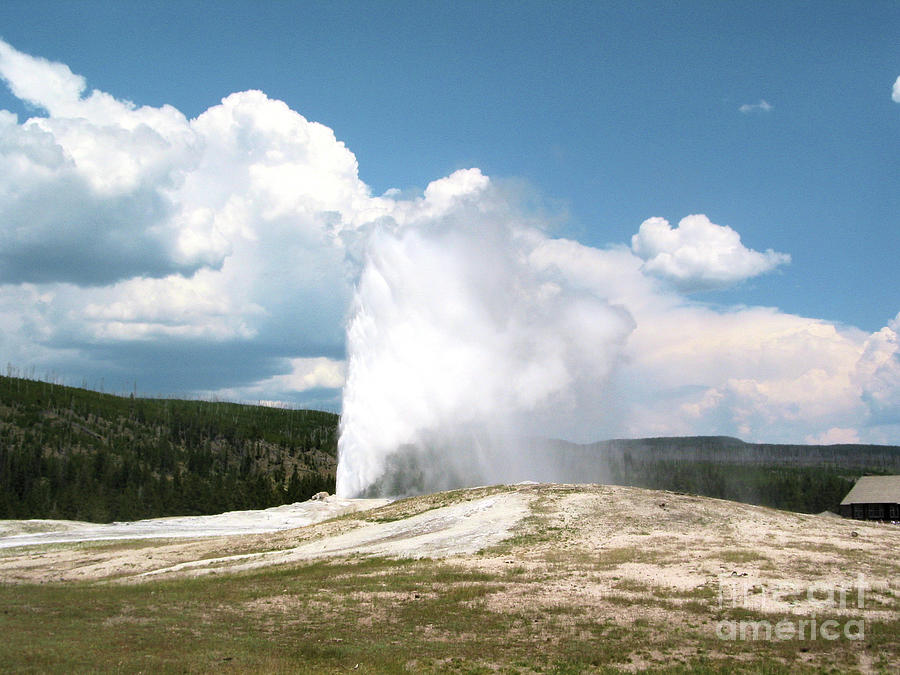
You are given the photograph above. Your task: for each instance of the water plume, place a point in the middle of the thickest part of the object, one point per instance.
(458, 348)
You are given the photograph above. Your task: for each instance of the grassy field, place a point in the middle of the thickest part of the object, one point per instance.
(568, 593)
(376, 615)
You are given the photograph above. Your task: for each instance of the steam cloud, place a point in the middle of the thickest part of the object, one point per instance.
(458, 343)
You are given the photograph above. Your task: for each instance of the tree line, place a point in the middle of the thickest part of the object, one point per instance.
(73, 453)
(804, 478)
(70, 453)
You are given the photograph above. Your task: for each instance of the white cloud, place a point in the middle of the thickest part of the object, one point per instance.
(895, 93)
(834, 436)
(313, 374)
(878, 375)
(762, 107)
(433, 345)
(220, 255)
(156, 236)
(301, 375)
(698, 254)
(753, 372)
(88, 193)
(38, 81)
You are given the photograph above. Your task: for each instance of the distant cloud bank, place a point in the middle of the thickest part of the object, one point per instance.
(895, 94)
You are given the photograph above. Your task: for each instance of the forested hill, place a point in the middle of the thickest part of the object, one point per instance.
(733, 450)
(807, 478)
(77, 454)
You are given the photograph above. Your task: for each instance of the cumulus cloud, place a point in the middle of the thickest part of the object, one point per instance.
(752, 372)
(151, 237)
(762, 107)
(698, 254)
(87, 193)
(878, 375)
(895, 93)
(298, 380)
(38, 81)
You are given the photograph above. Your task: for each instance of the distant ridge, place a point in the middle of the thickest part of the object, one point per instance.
(883, 457)
(797, 477)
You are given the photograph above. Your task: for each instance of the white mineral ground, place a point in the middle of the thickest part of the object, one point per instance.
(35, 532)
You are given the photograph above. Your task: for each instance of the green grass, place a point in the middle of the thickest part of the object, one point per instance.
(320, 617)
(387, 616)
(740, 556)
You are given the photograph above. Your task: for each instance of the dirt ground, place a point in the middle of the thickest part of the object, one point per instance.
(646, 557)
(664, 539)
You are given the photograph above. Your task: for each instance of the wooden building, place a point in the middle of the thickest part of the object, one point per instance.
(873, 498)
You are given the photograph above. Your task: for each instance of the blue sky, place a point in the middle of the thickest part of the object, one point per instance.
(774, 119)
(616, 111)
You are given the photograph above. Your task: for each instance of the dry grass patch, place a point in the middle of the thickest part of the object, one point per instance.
(594, 579)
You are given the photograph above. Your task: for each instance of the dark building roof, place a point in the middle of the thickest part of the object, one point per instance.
(874, 490)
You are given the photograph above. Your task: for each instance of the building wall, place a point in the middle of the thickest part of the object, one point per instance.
(871, 511)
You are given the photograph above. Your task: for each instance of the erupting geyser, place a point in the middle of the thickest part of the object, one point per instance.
(459, 344)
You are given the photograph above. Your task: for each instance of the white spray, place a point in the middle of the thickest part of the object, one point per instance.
(459, 347)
